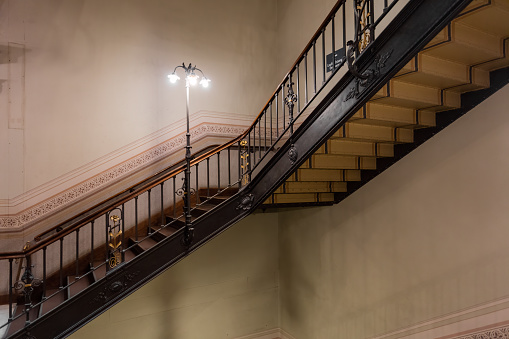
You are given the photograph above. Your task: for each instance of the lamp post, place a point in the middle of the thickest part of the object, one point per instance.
(186, 191)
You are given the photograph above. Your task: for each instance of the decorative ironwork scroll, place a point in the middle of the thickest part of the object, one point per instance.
(114, 288)
(26, 286)
(368, 76)
(181, 192)
(363, 21)
(293, 154)
(246, 202)
(290, 100)
(115, 237)
(363, 34)
(244, 162)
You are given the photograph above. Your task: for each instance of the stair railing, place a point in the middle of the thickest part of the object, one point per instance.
(98, 237)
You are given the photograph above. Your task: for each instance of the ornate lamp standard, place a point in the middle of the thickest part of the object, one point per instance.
(191, 80)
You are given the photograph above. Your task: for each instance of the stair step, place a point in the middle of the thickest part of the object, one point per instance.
(415, 96)
(202, 209)
(493, 19)
(499, 62)
(393, 116)
(77, 285)
(213, 191)
(174, 223)
(358, 148)
(465, 44)
(291, 187)
(54, 297)
(431, 71)
(334, 161)
(372, 133)
(307, 174)
(161, 233)
(19, 322)
(143, 245)
(300, 198)
(215, 200)
(99, 270)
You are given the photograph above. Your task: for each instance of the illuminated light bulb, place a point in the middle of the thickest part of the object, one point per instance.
(173, 78)
(204, 82)
(193, 79)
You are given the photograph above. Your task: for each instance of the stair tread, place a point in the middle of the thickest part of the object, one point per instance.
(167, 231)
(77, 285)
(206, 206)
(18, 323)
(336, 161)
(435, 72)
(300, 198)
(416, 96)
(147, 243)
(466, 44)
(373, 133)
(99, 270)
(54, 298)
(493, 19)
(174, 223)
(292, 187)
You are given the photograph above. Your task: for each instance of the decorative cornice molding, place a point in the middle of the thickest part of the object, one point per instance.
(69, 195)
(494, 333)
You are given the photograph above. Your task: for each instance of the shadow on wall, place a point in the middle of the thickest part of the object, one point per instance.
(10, 53)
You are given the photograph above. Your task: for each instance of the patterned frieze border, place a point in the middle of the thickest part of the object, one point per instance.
(494, 333)
(115, 173)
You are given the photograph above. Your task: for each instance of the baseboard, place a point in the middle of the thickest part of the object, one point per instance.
(275, 333)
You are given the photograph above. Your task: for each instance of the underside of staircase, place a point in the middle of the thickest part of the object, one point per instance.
(425, 81)
(418, 101)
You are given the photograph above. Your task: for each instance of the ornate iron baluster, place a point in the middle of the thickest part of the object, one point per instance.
(363, 35)
(115, 237)
(26, 285)
(290, 100)
(186, 193)
(244, 163)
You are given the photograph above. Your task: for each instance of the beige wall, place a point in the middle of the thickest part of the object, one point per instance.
(226, 289)
(426, 238)
(297, 21)
(83, 78)
(421, 250)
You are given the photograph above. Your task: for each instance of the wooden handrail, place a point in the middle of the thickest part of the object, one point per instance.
(143, 186)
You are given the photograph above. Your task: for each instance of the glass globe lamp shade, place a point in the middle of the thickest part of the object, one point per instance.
(173, 78)
(204, 82)
(193, 79)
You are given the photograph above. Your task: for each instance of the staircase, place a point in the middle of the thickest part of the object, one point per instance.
(400, 91)
(458, 60)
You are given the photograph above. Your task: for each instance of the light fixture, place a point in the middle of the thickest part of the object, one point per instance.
(193, 79)
(204, 82)
(173, 77)
(186, 190)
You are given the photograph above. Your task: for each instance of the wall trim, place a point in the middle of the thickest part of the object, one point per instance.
(275, 333)
(207, 128)
(485, 321)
